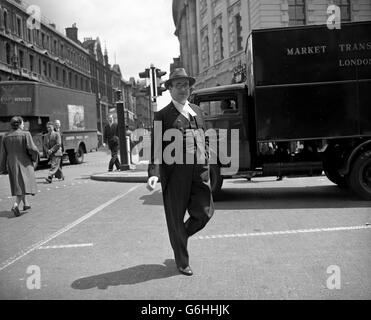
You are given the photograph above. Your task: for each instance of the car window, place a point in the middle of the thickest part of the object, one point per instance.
(222, 107)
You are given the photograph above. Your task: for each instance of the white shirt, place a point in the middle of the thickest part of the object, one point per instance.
(185, 109)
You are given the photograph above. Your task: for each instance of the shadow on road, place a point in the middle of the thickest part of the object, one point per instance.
(289, 198)
(153, 199)
(309, 197)
(7, 214)
(130, 276)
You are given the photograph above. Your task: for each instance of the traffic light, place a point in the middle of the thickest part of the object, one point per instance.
(153, 82)
(145, 90)
(118, 95)
(144, 75)
(160, 88)
(160, 74)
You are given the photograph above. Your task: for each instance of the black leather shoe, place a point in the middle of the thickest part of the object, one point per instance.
(16, 211)
(187, 271)
(48, 180)
(25, 208)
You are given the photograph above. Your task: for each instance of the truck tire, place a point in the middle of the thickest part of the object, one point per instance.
(360, 176)
(76, 157)
(335, 177)
(216, 181)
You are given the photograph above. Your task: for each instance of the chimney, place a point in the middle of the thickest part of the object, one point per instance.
(72, 33)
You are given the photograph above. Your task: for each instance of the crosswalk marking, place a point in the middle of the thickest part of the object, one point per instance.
(286, 232)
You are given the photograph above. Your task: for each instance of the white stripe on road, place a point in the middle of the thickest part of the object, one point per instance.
(67, 246)
(36, 246)
(275, 233)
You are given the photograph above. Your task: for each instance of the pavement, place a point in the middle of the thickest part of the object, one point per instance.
(136, 174)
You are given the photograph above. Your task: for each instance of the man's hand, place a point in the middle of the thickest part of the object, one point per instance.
(152, 183)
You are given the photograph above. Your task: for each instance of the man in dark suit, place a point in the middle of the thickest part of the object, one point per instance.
(111, 136)
(53, 147)
(185, 184)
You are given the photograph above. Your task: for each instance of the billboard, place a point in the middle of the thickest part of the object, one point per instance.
(76, 118)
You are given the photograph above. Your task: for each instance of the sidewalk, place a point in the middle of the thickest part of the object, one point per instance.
(136, 174)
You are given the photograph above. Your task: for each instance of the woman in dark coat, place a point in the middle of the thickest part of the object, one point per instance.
(18, 152)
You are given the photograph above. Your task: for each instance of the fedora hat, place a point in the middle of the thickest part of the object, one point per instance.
(179, 73)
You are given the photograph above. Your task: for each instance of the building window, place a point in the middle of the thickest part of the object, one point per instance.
(57, 73)
(31, 63)
(40, 71)
(7, 53)
(47, 42)
(45, 69)
(237, 21)
(64, 77)
(19, 27)
(29, 35)
(205, 52)
(70, 79)
(344, 6)
(37, 36)
(5, 20)
(220, 42)
(296, 12)
(21, 58)
(43, 40)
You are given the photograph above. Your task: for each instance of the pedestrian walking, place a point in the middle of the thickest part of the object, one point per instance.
(53, 147)
(58, 128)
(111, 137)
(185, 186)
(18, 154)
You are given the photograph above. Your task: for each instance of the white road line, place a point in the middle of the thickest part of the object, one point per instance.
(36, 246)
(67, 246)
(275, 233)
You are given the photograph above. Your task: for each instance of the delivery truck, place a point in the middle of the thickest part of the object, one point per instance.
(305, 107)
(38, 103)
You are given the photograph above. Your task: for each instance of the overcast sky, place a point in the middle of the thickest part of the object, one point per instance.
(137, 32)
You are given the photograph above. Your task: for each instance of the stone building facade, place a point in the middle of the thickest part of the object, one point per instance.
(39, 54)
(213, 33)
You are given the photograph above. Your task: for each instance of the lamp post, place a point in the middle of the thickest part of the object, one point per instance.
(122, 132)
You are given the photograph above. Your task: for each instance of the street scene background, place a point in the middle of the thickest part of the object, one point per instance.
(90, 239)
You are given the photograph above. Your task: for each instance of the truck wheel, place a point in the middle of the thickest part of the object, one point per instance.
(336, 178)
(360, 176)
(216, 181)
(76, 157)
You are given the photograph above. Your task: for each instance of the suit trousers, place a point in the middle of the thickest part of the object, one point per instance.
(186, 189)
(114, 158)
(56, 168)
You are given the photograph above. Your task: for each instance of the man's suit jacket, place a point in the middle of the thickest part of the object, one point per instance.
(171, 118)
(53, 142)
(111, 134)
